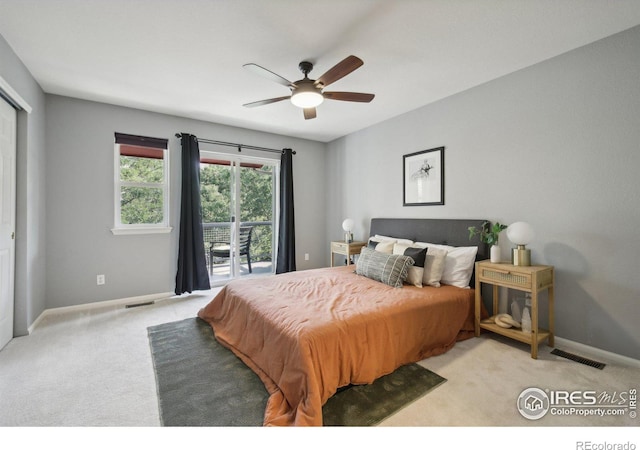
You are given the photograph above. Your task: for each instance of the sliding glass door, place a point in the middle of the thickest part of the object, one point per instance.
(239, 211)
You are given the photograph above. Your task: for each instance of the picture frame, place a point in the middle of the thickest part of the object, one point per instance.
(423, 178)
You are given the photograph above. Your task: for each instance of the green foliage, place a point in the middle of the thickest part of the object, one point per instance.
(141, 205)
(489, 234)
(141, 170)
(215, 193)
(256, 194)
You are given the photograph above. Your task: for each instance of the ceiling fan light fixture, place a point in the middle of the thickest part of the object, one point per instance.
(307, 99)
(306, 95)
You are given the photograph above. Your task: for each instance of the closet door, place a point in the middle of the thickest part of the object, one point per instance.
(7, 218)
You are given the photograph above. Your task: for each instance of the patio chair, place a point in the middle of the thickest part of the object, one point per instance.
(222, 249)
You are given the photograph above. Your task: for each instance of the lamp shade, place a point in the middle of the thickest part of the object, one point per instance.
(520, 233)
(347, 224)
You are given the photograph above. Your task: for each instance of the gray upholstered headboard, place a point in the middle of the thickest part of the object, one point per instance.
(453, 232)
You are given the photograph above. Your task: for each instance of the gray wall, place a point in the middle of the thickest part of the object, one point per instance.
(80, 201)
(30, 192)
(555, 145)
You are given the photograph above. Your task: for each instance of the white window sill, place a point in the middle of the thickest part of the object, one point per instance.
(141, 230)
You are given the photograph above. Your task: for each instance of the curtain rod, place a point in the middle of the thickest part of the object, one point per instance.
(238, 146)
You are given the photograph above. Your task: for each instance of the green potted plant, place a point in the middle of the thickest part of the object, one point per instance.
(489, 234)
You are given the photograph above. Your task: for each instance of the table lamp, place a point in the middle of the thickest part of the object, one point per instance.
(347, 226)
(521, 234)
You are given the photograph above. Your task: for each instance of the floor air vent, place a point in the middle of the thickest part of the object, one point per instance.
(576, 358)
(135, 305)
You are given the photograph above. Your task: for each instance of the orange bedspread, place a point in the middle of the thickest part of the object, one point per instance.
(310, 332)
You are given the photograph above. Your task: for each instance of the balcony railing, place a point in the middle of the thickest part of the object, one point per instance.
(261, 240)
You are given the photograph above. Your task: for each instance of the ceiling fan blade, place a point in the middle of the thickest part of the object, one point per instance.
(349, 96)
(340, 70)
(259, 70)
(266, 102)
(309, 113)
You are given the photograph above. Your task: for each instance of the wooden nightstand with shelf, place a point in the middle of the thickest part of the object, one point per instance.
(346, 249)
(532, 279)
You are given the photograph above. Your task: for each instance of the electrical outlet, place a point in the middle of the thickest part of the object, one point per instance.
(306, 257)
(100, 280)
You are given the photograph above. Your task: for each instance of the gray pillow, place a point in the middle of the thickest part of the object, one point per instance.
(388, 269)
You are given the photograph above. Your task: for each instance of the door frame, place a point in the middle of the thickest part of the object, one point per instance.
(235, 163)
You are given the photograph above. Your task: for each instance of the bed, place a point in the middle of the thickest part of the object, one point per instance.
(308, 333)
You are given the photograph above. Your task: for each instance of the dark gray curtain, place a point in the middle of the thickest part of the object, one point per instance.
(286, 259)
(192, 266)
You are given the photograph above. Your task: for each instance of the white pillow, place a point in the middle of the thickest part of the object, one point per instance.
(459, 264)
(434, 266)
(383, 246)
(379, 237)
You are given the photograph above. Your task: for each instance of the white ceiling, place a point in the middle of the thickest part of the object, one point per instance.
(185, 57)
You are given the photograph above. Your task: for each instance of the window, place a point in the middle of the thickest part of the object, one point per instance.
(141, 185)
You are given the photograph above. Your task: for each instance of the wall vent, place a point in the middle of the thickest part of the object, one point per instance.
(135, 305)
(579, 359)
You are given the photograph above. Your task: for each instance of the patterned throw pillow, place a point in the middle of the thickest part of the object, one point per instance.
(388, 269)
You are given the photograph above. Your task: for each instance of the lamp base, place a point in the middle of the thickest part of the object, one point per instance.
(521, 256)
(348, 237)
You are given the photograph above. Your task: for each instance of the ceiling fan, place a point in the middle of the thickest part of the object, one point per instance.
(307, 93)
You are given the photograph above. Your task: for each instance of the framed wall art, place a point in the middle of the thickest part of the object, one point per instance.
(423, 173)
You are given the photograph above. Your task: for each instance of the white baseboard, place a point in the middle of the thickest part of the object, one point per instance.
(596, 353)
(103, 304)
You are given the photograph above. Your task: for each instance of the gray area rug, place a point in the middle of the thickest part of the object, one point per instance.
(201, 383)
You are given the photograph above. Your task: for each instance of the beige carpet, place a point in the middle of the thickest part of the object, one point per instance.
(93, 368)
